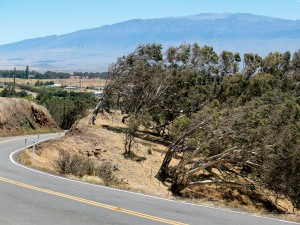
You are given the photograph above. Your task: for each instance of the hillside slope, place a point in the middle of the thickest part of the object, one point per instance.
(20, 116)
(103, 143)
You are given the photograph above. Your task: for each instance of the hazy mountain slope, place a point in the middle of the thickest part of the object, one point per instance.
(95, 49)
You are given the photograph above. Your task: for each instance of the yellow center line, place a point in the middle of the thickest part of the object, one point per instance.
(17, 139)
(97, 204)
(12, 139)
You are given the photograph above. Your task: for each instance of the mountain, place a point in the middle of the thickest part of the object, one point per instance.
(95, 49)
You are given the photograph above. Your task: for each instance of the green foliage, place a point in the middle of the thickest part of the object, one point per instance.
(22, 94)
(217, 117)
(41, 83)
(51, 75)
(261, 84)
(232, 87)
(179, 125)
(149, 151)
(229, 63)
(252, 64)
(8, 91)
(281, 168)
(65, 107)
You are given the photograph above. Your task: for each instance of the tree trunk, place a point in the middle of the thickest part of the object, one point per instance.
(96, 111)
(178, 185)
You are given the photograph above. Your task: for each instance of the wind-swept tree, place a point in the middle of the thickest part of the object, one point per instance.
(277, 64)
(229, 63)
(252, 64)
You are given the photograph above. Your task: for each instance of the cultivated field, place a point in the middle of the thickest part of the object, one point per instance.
(73, 81)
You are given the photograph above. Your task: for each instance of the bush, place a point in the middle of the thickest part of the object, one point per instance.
(75, 164)
(22, 94)
(105, 172)
(149, 151)
(79, 165)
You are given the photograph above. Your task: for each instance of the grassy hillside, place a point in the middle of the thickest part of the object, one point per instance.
(20, 116)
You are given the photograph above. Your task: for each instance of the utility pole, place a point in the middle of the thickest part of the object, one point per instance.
(14, 89)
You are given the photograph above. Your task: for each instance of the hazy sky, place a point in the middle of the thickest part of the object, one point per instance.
(24, 19)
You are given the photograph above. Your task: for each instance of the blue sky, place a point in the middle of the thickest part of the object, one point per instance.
(24, 19)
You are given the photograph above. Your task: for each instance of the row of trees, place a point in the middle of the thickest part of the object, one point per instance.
(65, 107)
(51, 75)
(237, 121)
(25, 74)
(91, 75)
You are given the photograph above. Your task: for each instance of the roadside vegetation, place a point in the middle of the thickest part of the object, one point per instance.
(227, 126)
(64, 106)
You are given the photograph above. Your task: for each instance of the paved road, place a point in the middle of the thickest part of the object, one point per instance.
(31, 197)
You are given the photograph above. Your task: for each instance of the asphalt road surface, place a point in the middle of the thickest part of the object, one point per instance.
(32, 197)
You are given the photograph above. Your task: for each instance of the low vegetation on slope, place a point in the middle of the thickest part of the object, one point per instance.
(20, 116)
(96, 154)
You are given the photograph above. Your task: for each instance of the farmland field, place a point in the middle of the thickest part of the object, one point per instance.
(73, 81)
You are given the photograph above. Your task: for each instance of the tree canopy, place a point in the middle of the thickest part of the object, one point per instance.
(232, 125)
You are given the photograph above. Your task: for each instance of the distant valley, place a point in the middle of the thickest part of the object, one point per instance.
(95, 49)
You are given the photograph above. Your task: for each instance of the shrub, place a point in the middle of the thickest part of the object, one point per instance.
(149, 151)
(75, 164)
(105, 172)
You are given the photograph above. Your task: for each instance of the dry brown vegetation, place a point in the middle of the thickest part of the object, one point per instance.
(73, 81)
(104, 143)
(20, 116)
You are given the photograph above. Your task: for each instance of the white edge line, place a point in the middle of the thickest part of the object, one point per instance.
(144, 195)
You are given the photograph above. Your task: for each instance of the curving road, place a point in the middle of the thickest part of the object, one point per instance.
(31, 197)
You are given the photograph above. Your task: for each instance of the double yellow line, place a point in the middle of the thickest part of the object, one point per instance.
(97, 204)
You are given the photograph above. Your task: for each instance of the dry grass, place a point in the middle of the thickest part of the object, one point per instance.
(73, 81)
(104, 143)
(19, 116)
